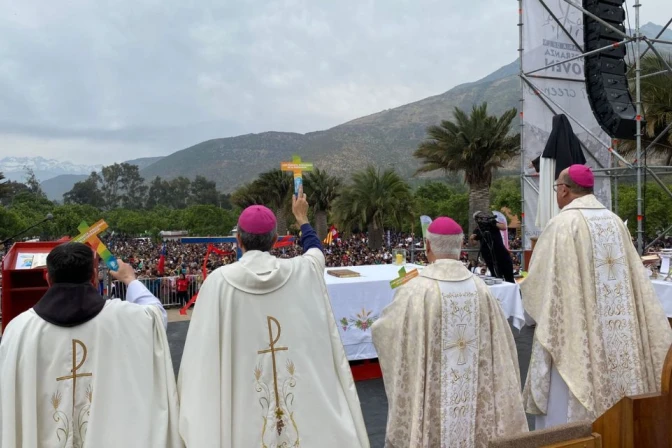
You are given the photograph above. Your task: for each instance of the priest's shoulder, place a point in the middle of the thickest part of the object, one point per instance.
(416, 285)
(566, 220)
(127, 309)
(19, 323)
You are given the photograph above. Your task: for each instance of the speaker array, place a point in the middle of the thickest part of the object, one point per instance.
(606, 81)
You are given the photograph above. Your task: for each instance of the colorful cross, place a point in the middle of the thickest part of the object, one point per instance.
(90, 235)
(297, 167)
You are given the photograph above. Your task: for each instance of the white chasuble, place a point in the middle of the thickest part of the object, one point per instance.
(108, 382)
(449, 362)
(601, 331)
(263, 364)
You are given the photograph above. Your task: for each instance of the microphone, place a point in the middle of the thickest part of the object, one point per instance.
(49, 217)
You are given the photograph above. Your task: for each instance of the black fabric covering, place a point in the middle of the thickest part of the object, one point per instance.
(563, 146)
(69, 305)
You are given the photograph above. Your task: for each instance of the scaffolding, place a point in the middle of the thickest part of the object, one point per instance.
(618, 166)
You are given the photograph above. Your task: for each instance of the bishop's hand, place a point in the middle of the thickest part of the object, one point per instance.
(125, 273)
(300, 207)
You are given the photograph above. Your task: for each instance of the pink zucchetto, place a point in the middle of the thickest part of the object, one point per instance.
(582, 176)
(444, 226)
(257, 220)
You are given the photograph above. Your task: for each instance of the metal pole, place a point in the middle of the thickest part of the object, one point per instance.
(597, 19)
(581, 56)
(638, 105)
(665, 232)
(660, 33)
(522, 131)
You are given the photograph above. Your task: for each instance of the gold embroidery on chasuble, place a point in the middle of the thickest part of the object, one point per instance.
(73, 423)
(274, 386)
(459, 363)
(615, 307)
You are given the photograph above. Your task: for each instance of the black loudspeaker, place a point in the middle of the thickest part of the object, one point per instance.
(606, 83)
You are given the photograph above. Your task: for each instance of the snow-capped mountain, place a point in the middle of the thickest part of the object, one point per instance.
(14, 168)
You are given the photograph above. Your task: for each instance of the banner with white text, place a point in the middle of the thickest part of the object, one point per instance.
(552, 90)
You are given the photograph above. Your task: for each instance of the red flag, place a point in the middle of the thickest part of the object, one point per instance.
(284, 241)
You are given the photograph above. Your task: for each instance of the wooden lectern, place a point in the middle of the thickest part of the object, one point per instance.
(640, 421)
(23, 277)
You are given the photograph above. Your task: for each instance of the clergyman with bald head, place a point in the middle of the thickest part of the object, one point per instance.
(445, 335)
(601, 331)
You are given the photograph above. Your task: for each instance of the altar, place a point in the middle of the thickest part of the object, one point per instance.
(664, 292)
(358, 301)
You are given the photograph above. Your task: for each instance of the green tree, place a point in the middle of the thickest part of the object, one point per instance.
(12, 188)
(372, 199)
(276, 188)
(208, 220)
(656, 93)
(86, 192)
(178, 192)
(435, 191)
(476, 145)
(246, 195)
(505, 192)
(33, 183)
(204, 192)
(225, 201)
(157, 193)
(322, 189)
(128, 222)
(5, 187)
(657, 211)
(122, 186)
(68, 217)
(11, 223)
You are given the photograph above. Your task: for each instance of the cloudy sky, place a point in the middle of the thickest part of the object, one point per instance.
(101, 81)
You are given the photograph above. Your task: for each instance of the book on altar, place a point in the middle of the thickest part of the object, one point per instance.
(343, 273)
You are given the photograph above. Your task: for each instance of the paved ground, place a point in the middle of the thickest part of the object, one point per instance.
(371, 393)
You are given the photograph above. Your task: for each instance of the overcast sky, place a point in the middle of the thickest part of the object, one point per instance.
(101, 81)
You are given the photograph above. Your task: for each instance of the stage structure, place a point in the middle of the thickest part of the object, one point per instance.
(553, 81)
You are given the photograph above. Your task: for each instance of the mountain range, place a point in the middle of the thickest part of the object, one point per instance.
(14, 168)
(385, 139)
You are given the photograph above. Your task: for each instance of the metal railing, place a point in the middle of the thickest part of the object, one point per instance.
(164, 288)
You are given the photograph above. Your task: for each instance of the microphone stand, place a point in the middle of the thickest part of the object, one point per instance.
(49, 217)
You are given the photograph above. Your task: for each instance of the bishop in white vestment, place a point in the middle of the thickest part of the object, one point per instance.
(79, 371)
(263, 364)
(447, 354)
(601, 331)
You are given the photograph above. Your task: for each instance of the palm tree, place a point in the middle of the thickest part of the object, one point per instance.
(372, 199)
(276, 188)
(246, 195)
(476, 145)
(322, 189)
(657, 104)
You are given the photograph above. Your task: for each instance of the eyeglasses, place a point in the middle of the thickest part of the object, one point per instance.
(555, 187)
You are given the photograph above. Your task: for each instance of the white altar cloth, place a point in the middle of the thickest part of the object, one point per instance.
(357, 302)
(664, 293)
